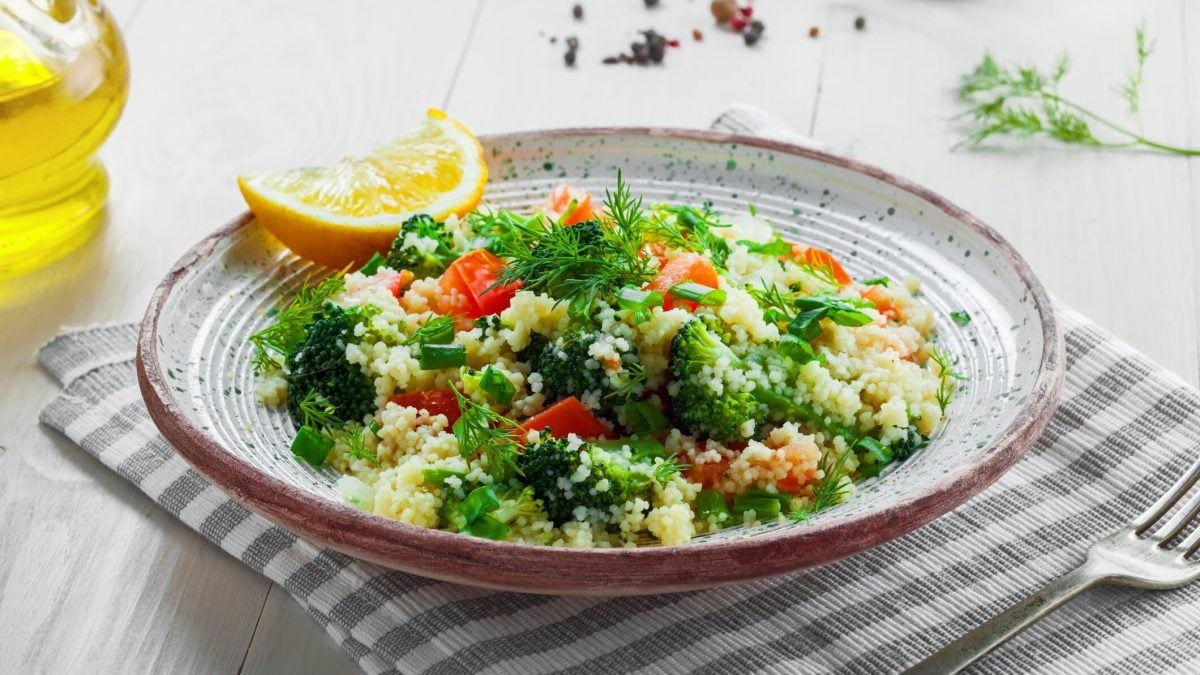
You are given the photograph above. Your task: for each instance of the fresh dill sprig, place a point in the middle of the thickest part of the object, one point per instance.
(357, 447)
(1131, 89)
(634, 378)
(583, 263)
(483, 432)
(273, 343)
(664, 470)
(1025, 101)
(830, 489)
(947, 375)
(776, 306)
(317, 412)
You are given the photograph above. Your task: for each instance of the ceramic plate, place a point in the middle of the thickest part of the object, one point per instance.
(195, 373)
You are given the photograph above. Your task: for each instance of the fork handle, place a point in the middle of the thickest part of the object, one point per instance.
(965, 650)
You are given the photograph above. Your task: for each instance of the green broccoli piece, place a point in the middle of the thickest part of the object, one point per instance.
(568, 369)
(317, 369)
(552, 467)
(422, 247)
(703, 407)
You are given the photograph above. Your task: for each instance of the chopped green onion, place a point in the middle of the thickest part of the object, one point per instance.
(436, 331)
(644, 419)
(375, 427)
(497, 386)
(777, 247)
(712, 503)
(881, 452)
(640, 448)
(439, 476)
(310, 446)
(764, 508)
(436, 357)
(784, 498)
(698, 293)
(488, 527)
(373, 264)
(961, 318)
(480, 501)
(639, 302)
(877, 281)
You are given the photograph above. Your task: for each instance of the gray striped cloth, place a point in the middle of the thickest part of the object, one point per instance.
(1124, 430)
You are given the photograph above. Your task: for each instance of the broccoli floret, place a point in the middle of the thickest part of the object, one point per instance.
(422, 247)
(568, 368)
(318, 366)
(553, 469)
(704, 407)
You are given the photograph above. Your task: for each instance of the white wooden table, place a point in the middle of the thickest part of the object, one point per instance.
(94, 576)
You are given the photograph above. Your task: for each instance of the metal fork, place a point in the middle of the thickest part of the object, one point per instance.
(1139, 554)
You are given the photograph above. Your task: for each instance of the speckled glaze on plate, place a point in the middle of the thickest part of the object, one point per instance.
(195, 374)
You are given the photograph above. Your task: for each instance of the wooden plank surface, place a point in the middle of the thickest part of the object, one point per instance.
(224, 86)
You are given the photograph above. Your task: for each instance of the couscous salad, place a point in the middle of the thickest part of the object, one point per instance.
(602, 372)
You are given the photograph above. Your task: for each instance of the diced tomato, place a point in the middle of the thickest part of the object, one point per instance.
(400, 282)
(568, 416)
(709, 474)
(560, 203)
(816, 257)
(882, 301)
(684, 267)
(434, 401)
(472, 275)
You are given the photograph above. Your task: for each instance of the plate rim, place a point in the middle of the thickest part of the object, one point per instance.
(618, 571)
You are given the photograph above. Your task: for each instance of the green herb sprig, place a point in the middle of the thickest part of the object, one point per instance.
(830, 489)
(947, 374)
(481, 431)
(273, 343)
(1024, 101)
(580, 264)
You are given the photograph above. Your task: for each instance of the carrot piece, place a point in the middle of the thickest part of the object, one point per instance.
(434, 401)
(684, 267)
(709, 474)
(402, 280)
(560, 202)
(816, 257)
(568, 416)
(473, 275)
(882, 301)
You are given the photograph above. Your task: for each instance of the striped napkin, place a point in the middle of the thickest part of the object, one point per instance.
(1124, 430)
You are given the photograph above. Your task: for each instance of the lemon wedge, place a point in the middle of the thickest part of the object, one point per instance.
(342, 214)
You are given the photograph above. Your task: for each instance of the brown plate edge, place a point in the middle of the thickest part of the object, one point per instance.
(541, 569)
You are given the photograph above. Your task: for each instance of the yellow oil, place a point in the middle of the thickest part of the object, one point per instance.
(52, 122)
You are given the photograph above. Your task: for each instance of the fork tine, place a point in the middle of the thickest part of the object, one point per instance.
(1179, 522)
(1191, 544)
(1169, 498)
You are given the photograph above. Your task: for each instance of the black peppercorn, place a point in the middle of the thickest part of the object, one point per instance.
(577, 11)
(860, 23)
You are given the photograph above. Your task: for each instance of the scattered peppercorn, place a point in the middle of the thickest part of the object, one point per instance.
(739, 21)
(753, 32)
(651, 3)
(569, 57)
(723, 10)
(650, 49)
(572, 43)
(609, 60)
(697, 35)
(577, 11)
(860, 23)
(814, 32)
